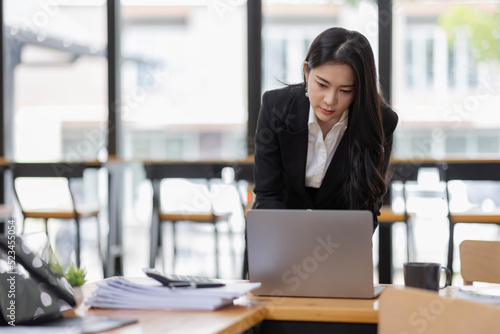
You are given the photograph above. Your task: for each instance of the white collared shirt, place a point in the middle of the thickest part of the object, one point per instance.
(320, 152)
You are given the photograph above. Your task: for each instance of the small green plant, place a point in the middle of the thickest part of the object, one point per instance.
(57, 268)
(75, 277)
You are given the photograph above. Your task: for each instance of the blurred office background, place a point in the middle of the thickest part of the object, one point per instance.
(184, 97)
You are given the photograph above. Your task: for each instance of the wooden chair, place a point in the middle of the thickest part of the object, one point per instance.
(480, 261)
(44, 191)
(191, 202)
(468, 171)
(412, 311)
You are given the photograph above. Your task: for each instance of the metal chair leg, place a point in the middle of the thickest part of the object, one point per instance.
(99, 246)
(161, 251)
(451, 247)
(174, 244)
(232, 246)
(216, 234)
(46, 223)
(78, 243)
(154, 238)
(410, 239)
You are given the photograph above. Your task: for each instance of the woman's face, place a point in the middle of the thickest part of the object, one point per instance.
(331, 91)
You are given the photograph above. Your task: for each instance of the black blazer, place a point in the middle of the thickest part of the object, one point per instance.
(281, 142)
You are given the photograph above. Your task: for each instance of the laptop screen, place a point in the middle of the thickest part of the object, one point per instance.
(32, 284)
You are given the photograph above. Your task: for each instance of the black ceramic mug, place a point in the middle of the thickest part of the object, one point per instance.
(425, 275)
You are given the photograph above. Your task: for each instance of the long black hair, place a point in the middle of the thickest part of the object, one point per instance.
(366, 184)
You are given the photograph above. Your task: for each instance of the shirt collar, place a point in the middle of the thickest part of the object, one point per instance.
(313, 119)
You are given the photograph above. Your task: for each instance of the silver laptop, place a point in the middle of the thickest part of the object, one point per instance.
(309, 253)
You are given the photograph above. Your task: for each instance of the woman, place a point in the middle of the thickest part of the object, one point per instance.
(326, 143)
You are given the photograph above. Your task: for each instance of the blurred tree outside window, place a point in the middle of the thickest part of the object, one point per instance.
(446, 79)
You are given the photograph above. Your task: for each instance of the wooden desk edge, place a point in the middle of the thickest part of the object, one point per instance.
(359, 316)
(302, 309)
(258, 313)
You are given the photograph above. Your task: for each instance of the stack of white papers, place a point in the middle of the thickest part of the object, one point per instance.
(487, 294)
(121, 293)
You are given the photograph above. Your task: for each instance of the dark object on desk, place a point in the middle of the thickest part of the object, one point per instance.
(425, 275)
(91, 324)
(35, 290)
(72, 325)
(177, 281)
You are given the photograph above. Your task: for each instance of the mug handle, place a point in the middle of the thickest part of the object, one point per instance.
(448, 277)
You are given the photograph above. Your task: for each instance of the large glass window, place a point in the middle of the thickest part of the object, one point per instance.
(184, 79)
(445, 74)
(289, 27)
(184, 94)
(446, 93)
(56, 75)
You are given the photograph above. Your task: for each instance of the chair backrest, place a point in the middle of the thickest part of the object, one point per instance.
(182, 195)
(198, 196)
(404, 171)
(35, 194)
(45, 186)
(419, 311)
(196, 187)
(480, 261)
(472, 185)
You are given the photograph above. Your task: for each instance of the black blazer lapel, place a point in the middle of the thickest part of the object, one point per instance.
(293, 142)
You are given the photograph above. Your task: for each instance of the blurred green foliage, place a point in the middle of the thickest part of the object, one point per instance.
(75, 277)
(481, 28)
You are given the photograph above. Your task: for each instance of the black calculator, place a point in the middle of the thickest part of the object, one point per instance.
(182, 281)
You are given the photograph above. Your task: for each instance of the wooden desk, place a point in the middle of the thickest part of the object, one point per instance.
(262, 314)
(238, 318)
(302, 314)
(232, 319)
